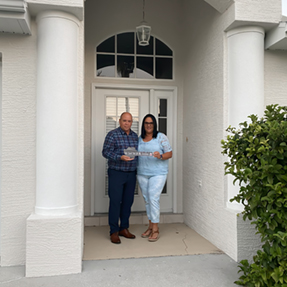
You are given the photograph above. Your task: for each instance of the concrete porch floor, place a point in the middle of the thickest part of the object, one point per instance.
(180, 258)
(175, 239)
(206, 270)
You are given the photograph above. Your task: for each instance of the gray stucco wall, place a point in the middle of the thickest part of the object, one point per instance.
(276, 77)
(205, 117)
(18, 142)
(18, 185)
(204, 120)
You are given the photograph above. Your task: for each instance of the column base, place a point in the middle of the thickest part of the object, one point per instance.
(54, 245)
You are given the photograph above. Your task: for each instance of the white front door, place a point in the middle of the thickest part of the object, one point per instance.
(107, 106)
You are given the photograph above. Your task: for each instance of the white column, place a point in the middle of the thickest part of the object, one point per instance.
(56, 114)
(0, 143)
(245, 82)
(54, 237)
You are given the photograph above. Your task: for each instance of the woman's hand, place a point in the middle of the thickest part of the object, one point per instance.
(156, 154)
(164, 156)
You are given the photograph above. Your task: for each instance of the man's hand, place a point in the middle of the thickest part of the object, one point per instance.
(126, 158)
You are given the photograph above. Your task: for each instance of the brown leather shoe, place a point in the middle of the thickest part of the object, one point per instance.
(125, 233)
(115, 238)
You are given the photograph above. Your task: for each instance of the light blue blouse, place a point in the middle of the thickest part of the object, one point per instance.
(149, 165)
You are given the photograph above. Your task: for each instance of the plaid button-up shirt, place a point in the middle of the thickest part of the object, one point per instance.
(115, 142)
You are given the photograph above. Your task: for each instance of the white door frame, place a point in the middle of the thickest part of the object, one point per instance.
(153, 88)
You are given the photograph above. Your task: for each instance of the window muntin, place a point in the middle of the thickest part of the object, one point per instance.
(120, 56)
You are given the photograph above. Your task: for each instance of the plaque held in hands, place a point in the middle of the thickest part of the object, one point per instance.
(132, 152)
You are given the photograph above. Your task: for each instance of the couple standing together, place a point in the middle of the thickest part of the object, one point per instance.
(151, 172)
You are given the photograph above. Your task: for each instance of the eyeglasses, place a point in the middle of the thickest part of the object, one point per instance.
(147, 123)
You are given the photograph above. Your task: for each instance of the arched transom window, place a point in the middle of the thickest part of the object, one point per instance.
(121, 56)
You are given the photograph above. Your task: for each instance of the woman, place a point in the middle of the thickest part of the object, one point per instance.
(152, 171)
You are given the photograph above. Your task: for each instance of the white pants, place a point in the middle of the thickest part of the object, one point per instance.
(151, 187)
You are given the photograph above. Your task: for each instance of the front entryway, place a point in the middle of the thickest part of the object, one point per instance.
(107, 105)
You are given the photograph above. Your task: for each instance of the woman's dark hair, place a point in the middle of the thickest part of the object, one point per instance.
(155, 131)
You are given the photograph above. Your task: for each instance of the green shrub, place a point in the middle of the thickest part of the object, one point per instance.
(257, 154)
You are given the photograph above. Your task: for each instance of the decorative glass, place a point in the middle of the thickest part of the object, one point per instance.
(162, 108)
(108, 46)
(145, 50)
(144, 67)
(124, 56)
(162, 49)
(125, 66)
(163, 68)
(126, 43)
(105, 65)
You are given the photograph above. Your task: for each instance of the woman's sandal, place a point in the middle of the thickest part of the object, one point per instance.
(147, 233)
(150, 239)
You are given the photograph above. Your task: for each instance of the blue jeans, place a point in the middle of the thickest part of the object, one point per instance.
(151, 187)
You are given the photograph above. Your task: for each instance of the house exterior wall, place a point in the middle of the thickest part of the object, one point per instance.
(261, 13)
(275, 88)
(258, 10)
(276, 77)
(102, 22)
(18, 142)
(195, 32)
(204, 119)
(18, 186)
(0, 142)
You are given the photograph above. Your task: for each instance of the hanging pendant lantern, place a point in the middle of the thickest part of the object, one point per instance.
(143, 31)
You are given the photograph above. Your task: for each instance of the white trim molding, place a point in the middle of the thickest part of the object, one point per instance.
(221, 6)
(173, 112)
(14, 17)
(19, 6)
(75, 7)
(276, 39)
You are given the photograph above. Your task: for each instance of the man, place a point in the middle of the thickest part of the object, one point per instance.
(122, 176)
